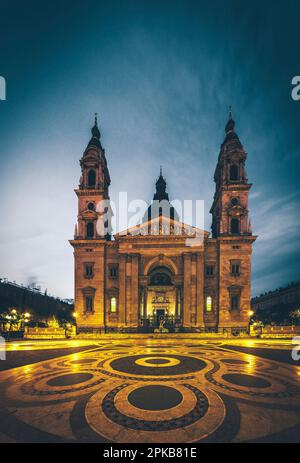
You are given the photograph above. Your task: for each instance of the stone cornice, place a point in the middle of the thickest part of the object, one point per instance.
(91, 243)
(236, 239)
(90, 192)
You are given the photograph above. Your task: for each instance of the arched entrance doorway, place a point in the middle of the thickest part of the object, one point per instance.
(161, 301)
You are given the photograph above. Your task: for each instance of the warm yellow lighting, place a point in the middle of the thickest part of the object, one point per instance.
(75, 314)
(13, 311)
(250, 313)
(208, 304)
(113, 304)
(27, 369)
(27, 315)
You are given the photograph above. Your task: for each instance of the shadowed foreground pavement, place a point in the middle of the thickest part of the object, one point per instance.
(168, 389)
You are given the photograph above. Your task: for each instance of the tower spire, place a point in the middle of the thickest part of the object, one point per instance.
(95, 130)
(230, 123)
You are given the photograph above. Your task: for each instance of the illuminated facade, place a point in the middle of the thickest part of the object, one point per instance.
(149, 275)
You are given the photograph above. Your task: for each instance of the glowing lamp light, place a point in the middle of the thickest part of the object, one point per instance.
(250, 313)
(13, 311)
(75, 314)
(27, 315)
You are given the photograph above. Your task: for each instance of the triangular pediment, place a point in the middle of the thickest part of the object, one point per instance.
(162, 226)
(89, 215)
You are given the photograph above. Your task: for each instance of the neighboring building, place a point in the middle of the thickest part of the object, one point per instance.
(41, 306)
(284, 299)
(149, 274)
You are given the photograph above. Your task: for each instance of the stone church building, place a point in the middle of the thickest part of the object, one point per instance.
(148, 276)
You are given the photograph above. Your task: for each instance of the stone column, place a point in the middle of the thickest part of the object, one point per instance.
(200, 285)
(134, 289)
(122, 289)
(98, 319)
(145, 303)
(186, 290)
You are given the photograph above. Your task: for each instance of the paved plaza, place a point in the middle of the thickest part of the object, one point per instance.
(168, 389)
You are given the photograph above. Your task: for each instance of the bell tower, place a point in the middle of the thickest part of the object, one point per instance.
(92, 193)
(230, 206)
(232, 232)
(92, 236)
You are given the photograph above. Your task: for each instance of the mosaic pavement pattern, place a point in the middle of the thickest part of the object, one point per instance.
(166, 391)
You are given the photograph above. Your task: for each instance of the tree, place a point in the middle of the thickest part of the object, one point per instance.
(66, 320)
(295, 316)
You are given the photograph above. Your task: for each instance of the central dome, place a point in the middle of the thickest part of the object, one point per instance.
(160, 205)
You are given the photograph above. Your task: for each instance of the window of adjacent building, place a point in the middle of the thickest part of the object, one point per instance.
(209, 270)
(113, 304)
(208, 303)
(113, 272)
(234, 172)
(89, 304)
(89, 270)
(235, 268)
(91, 178)
(235, 226)
(90, 230)
(235, 302)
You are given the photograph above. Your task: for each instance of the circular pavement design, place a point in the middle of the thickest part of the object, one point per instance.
(156, 361)
(82, 361)
(235, 361)
(115, 413)
(180, 365)
(69, 379)
(246, 380)
(155, 397)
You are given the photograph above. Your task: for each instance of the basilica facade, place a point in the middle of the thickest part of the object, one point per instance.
(150, 278)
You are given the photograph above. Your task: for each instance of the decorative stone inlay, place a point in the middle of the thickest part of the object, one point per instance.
(155, 397)
(135, 364)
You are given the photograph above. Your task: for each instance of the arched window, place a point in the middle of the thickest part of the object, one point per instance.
(235, 226)
(91, 178)
(91, 206)
(208, 304)
(234, 201)
(90, 230)
(113, 304)
(234, 172)
(235, 302)
(160, 276)
(89, 304)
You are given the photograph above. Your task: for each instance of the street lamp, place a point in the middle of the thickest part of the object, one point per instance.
(250, 313)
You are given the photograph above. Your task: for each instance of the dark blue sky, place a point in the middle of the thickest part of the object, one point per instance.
(161, 75)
